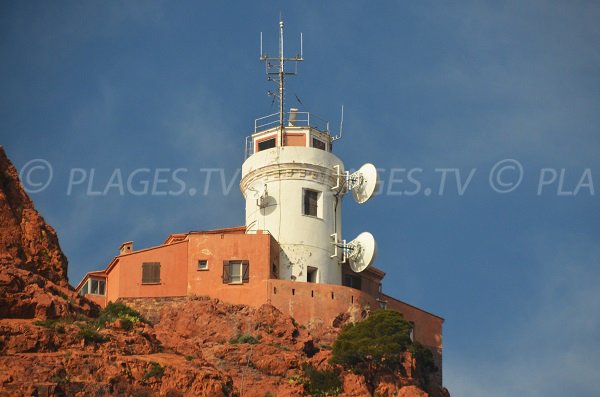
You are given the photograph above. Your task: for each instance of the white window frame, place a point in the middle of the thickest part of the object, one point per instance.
(232, 278)
(205, 264)
(98, 282)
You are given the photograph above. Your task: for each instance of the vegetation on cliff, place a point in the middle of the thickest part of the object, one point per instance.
(376, 345)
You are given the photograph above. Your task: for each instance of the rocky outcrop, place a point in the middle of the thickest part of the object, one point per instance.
(33, 269)
(26, 240)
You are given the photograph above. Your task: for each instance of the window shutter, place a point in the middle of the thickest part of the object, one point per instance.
(226, 273)
(151, 273)
(156, 275)
(245, 271)
(145, 273)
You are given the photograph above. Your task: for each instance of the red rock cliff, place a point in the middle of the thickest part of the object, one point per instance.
(33, 269)
(26, 240)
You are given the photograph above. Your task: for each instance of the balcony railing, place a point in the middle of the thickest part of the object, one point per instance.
(292, 119)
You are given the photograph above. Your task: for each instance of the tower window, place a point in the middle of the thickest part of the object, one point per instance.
(151, 273)
(310, 202)
(266, 144)
(311, 274)
(319, 144)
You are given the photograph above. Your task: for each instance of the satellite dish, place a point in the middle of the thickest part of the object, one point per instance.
(362, 252)
(260, 194)
(364, 183)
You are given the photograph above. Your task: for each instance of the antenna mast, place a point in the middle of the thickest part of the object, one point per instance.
(275, 70)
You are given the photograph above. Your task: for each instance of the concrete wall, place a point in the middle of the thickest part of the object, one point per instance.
(125, 278)
(310, 303)
(428, 327)
(260, 250)
(97, 299)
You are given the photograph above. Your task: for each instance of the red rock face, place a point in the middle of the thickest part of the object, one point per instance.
(33, 269)
(26, 241)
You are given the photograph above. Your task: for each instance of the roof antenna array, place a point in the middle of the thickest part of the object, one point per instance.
(275, 70)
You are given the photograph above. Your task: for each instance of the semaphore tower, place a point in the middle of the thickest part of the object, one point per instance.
(293, 186)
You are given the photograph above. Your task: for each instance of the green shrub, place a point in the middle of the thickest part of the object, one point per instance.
(126, 324)
(89, 334)
(156, 371)
(57, 324)
(47, 323)
(189, 358)
(375, 343)
(114, 311)
(424, 360)
(244, 338)
(321, 383)
(279, 346)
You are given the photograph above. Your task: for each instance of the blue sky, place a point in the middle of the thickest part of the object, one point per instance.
(427, 86)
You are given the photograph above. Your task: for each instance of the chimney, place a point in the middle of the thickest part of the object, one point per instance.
(126, 248)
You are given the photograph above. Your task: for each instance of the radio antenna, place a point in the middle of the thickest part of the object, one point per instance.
(276, 72)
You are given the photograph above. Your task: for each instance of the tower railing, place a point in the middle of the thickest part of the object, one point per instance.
(248, 147)
(292, 119)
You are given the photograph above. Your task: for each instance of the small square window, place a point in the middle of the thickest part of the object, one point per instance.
(202, 264)
(319, 144)
(310, 205)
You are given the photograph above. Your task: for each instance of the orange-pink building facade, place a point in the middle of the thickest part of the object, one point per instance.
(240, 268)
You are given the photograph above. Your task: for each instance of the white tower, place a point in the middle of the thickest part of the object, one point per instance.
(293, 185)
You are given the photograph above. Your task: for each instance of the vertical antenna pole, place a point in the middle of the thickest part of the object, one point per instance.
(275, 70)
(342, 122)
(281, 73)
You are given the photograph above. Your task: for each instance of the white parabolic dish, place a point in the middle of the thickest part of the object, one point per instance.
(363, 251)
(367, 183)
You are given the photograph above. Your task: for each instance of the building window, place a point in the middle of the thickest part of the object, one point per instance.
(97, 286)
(84, 288)
(202, 264)
(319, 144)
(310, 202)
(352, 281)
(311, 274)
(266, 144)
(236, 272)
(151, 273)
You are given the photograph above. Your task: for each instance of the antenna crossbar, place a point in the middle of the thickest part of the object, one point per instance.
(276, 72)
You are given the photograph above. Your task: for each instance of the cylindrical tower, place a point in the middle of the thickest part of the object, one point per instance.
(288, 192)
